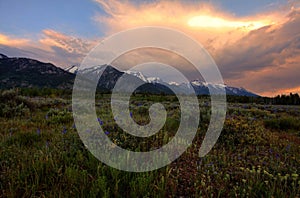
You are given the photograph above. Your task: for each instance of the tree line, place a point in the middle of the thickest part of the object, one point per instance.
(291, 99)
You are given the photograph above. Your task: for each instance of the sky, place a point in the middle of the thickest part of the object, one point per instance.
(256, 44)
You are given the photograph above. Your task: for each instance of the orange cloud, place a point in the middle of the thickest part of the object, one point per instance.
(216, 22)
(273, 80)
(207, 23)
(70, 44)
(265, 60)
(7, 40)
(53, 46)
(260, 52)
(256, 52)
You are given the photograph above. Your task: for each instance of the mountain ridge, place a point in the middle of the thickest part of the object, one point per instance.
(25, 72)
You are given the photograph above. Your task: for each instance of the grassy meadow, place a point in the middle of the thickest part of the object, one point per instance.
(257, 154)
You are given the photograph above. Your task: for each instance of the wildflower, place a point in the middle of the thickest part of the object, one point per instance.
(264, 163)
(277, 156)
(100, 121)
(266, 182)
(286, 177)
(266, 172)
(106, 132)
(46, 116)
(74, 126)
(288, 147)
(64, 130)
(131, 114)
(227, 175)
(271, 150)
(199, 163)
(38, 131)
(295, 175)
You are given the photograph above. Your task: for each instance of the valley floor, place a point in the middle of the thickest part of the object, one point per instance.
(257, 154)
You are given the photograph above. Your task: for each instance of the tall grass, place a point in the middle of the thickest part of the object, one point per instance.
(42, 155)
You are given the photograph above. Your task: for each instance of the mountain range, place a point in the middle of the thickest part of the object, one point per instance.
(25, 72)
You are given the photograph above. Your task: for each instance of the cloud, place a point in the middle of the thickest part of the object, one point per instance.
(126, 14)
(64, 48)
(70, 44)
(55, 47)
(273, 81)
(267, 59)
(10, 41)
(201, 20)
(147, 55)
(259, 52)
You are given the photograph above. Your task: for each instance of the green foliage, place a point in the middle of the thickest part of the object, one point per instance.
(14, 105)
(59, 116)
(48, 92)
(283, 123)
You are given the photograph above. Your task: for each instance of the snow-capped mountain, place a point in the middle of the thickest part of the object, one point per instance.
(110, 76)
(72, 69)
(141, 76)
(25, 72)
(200, 87)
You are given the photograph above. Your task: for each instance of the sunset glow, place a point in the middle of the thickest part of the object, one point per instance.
(216, 22)
(244, 38)
(6, 40)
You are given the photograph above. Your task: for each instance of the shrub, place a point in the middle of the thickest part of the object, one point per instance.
(12, 105)
(286, 123)
(59, 116)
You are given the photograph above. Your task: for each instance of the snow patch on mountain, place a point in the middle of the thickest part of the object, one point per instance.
(199, 86)
(137, 74)
(144, 78)
(173, 83)
(199, 83)
(2, 56)
(72, 69)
